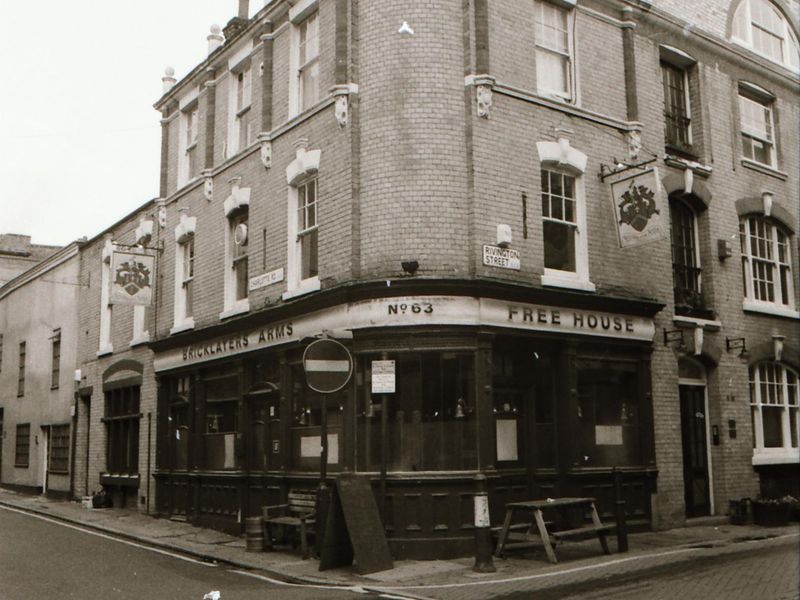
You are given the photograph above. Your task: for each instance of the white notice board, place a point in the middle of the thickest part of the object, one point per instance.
(383, 377)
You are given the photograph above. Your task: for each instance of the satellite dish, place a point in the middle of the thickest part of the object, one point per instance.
(240, 234)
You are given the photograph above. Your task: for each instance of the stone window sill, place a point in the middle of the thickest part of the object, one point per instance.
(769, 309)
(765, 169)
(306, 287)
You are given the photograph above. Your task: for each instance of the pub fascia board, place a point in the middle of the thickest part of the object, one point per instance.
(415, 310)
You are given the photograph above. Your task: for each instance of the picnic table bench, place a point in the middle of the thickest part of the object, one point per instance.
(509, 538)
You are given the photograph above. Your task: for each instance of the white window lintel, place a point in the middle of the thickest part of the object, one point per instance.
(562, 155)
(301, 10)
(305, 164)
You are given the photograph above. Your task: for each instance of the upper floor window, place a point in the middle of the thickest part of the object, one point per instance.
(307, 228)
(757, 129)
(774, 410)
(184, 273)
(302, 228)
(685, 257)
(766, 263)
(189, 166)
(56, 362)
(304, 88)
(237, 240)
(554, 50)
(21, 373)
(187, 277)
(238, 262)
(759, 25)
(677, 113)
(241, 123)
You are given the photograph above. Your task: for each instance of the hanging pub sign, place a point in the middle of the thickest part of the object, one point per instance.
(131, 278)
(640, 208)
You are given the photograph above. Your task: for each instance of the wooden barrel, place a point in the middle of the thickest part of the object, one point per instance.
(254, 536)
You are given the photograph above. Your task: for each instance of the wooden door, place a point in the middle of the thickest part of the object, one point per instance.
(695, 451)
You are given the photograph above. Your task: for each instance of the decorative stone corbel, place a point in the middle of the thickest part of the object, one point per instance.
(162, 212)
(483, 93)
(634, 137)
(688, 180)
(698, 340)
(766, 200)
(144, 232)
(266, 150)
(208, 184)
(341, 108)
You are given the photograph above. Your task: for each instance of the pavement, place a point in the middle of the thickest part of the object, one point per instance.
(579, 562)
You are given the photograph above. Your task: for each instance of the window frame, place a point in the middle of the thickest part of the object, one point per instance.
(55, 370)
(570, 94)
(301, 15)
(781, 386)
(233, 304)
(189, 130)
(685, 128)
(696, 268)
(240, 102)
(768, 138)
(21, 372)
(122, 418)
(58, 449)
(743, 21)
(579, 278)
(22, 454)
(772, 245)
(306, 229)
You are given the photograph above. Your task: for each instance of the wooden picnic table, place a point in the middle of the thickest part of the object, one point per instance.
(548, 539)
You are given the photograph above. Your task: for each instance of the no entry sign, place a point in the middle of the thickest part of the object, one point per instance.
(328, 366)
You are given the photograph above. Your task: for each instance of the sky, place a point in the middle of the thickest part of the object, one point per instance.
(80, 141)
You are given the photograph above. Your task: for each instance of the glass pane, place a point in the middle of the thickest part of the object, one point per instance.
(773, 428)
(559, 246)
(793, 426)
(308, 255)
(552, 72)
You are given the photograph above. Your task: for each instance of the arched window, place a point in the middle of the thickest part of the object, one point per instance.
(774, 410)
(766, 264)
(760, 26)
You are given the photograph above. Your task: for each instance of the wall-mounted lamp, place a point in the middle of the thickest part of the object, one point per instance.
(410, 266)
(738, 343)
(777, 346)
(676, 335)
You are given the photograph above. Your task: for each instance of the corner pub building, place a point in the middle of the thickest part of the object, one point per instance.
(482, 384)
(321, 176)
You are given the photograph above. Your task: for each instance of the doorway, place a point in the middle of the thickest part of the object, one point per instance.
(694, 434)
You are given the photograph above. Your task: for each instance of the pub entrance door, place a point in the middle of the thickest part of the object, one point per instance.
(265, 445)
(695, 450)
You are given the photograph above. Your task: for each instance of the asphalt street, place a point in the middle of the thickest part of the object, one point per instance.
(770, 573)
(41, 559)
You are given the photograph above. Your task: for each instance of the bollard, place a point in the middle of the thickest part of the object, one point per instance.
(622, 528)
(483, 533)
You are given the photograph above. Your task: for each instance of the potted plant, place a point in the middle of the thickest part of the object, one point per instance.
(773, 512)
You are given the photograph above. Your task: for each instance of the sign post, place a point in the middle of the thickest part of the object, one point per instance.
(328, 366)
(383, 382)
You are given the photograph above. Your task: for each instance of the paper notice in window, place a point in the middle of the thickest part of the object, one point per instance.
(230, 461)
(507, 439)
(311, 447)
(608, 435)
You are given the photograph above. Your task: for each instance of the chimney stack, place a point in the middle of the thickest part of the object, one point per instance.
(215, 38)
(244, 9)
